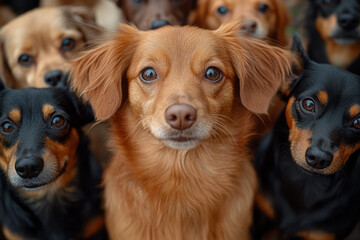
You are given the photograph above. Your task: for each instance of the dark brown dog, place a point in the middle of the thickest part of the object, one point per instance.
(153, 14)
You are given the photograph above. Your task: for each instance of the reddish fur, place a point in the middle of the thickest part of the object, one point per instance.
(153, 191)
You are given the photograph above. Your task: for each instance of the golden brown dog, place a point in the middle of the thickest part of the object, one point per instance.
(35, 47)
(263, 19)
(181, 102)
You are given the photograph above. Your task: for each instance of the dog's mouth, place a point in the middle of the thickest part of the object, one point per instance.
(180, 142)
(37, 185)
(346, 37)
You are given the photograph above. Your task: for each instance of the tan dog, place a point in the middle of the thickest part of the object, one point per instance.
(263, 19)
(35, 47)
(180, 101)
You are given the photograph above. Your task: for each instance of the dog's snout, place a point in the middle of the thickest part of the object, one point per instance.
(180, 116)
(317, 158)
(249, 26)
(158, 23)
(53, 77)
(29, 167)
(348, 21)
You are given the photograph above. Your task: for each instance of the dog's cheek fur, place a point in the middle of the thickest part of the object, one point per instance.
(8, 159)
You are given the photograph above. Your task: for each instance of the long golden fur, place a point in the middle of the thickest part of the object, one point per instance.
(158, 185)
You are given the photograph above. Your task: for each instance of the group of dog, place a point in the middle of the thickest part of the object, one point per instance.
(192, 151)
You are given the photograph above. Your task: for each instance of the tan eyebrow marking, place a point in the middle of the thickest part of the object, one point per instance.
(323, 97)
(354, 110)
(47, 110)
(15, 115)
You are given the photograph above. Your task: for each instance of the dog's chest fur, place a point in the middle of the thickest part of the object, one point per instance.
(162, 188)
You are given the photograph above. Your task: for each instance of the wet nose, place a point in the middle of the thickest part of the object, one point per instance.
(348, 21)
(158, 23)
(29, 167)
(53, 77)
(249, 26)
(180, 116)
(317, 158)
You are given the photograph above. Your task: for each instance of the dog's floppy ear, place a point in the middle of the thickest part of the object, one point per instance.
(199, 15)
(5, 72)
(283, 20)
(84, 20)
(260, 67)
(97, 75)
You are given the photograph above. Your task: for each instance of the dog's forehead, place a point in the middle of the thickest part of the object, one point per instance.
(18, 104)
(180, 41)
(330, 85)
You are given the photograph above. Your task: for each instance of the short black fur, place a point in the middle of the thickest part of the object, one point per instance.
(305, 201)
(65, 215)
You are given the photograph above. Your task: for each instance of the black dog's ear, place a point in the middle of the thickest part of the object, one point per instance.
(2, 85)
(298, 49)
(83, 110)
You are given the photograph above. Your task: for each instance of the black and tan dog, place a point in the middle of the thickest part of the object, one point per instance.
(309, 164)
(334, 33)
(48, 178)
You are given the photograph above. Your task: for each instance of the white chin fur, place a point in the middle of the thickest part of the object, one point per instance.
(181, 145)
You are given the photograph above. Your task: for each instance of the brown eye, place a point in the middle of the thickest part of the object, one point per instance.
(148, 75)
(308, 105)
(7, 127)
(357, 123)
(68, 44)
(213, 74)
(58, 121)
(25, 60)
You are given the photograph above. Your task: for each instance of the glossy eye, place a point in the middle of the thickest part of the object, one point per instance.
(58, 121)
(25, 60)
(213, 74)
(7, 127)
(148, 74)
(308, 105)
(357, 123)
(263, 7)
(68, 44)
(222, 10)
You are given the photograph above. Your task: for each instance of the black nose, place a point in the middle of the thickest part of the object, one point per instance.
(348, 21)
(159, 23)
(53, 77)
(317, 158)
(29, 167)
(180, 116)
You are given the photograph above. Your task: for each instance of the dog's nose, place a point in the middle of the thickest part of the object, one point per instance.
(29, 167)
(180, 116)
(53, 77)
(348, 21)
(158, 23)
(249, 26)
(317, 158)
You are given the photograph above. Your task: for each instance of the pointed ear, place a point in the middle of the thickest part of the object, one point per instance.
(5, 72)
(98, 74)
(260, 68)
(298, 49)
(283, 20)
